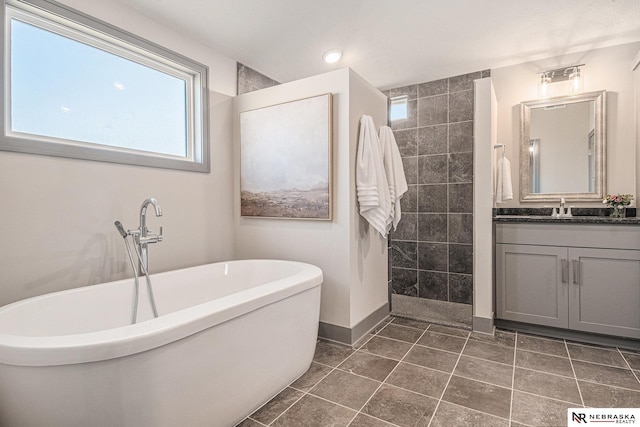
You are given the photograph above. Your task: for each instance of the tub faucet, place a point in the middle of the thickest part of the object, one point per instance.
(144, 236)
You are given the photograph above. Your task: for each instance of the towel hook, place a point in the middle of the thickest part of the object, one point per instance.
(504, 147)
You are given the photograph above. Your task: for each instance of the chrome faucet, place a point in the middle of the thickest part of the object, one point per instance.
(143, 236)
(562, 211)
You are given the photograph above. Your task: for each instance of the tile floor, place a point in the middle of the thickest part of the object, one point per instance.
(412, 373)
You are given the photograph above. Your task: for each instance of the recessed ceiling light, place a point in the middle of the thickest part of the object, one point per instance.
(332, 56)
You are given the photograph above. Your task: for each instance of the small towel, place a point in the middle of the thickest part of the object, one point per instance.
(395, 175)
(504, 188)
(371, 181)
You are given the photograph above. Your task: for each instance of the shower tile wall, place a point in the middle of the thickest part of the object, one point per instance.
(250, 80)
(431, 251)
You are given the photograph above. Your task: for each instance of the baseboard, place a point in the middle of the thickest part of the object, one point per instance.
(335, 333)
(483, 325)
(367, 324)
(579, 336)
(350, 336)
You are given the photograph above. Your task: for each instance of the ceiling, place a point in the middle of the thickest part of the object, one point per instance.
(399, 42)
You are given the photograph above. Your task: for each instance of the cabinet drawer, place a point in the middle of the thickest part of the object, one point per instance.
(570, 235)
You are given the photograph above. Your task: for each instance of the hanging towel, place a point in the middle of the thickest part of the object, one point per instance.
(395, 175)
(504, 189)
(371, 182)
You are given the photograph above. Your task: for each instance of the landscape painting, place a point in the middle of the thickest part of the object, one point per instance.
(285, 166)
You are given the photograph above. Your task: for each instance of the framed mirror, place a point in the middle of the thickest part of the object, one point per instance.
(563, 148)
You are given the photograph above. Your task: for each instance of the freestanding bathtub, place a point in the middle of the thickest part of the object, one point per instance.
(230, 336)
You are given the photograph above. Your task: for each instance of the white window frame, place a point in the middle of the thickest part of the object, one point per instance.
(60, 19)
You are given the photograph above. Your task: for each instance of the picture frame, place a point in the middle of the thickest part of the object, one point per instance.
(285, 160)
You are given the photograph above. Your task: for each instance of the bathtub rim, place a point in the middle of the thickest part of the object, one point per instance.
(131, 339)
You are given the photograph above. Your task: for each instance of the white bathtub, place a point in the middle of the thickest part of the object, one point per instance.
(229, 337)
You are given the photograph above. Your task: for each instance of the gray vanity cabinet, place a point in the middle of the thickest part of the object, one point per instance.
(605, 291)
(581, 277)
(530, 284)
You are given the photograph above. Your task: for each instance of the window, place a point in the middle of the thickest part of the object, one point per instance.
(77, 87)
(398, 108)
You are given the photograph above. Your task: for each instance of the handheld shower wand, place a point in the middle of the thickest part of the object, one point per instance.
(149, 287)
(120, 228)
(124, 235)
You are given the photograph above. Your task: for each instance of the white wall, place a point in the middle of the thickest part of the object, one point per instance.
(606, 69)
(635, 66)
(341, 247)
(57, 215)
(485, 129)
(369, 272)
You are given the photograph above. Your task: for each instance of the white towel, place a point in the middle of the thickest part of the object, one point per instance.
(395, 174)
(371, 182)
(504, 188)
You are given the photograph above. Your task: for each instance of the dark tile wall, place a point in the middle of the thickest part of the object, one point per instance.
(250, 80)
(431, 251)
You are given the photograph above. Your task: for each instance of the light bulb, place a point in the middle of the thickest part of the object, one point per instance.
(332, 56)
(576, 81)
(543, 90)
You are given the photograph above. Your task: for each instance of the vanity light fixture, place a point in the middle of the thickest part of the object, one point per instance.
(576, 80)
(572, 75)
(543, 88)
(332, 56)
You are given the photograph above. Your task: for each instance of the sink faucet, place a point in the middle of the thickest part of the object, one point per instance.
(558, 212)
(144, 236)
(562, 211)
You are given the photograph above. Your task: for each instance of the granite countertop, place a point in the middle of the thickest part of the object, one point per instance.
(567, 220)
(580, 216)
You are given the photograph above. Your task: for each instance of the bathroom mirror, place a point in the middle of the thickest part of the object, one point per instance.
(563, 148)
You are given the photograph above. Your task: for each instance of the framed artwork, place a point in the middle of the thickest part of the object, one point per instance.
(285, 160)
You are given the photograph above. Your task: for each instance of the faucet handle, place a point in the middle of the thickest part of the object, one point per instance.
(155, 237)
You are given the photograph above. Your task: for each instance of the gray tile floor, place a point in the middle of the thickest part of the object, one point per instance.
(411, 373)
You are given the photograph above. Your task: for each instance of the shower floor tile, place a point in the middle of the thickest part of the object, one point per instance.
(410, 373)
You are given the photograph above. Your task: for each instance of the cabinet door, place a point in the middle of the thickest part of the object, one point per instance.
(605, 291)
(531, 284)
